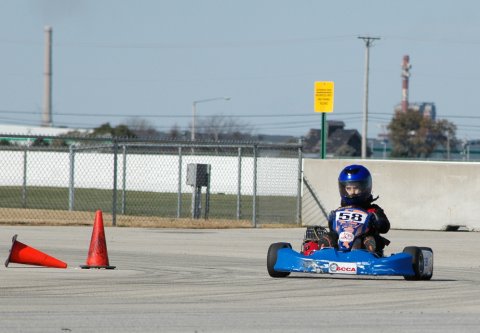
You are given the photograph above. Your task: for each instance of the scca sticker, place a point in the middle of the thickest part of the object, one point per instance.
(342, 268)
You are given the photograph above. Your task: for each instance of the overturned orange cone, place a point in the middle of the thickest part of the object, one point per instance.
(97, 254)
(24, 254)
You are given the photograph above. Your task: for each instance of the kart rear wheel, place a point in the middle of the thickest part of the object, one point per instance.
(272, 259)
(417, 262)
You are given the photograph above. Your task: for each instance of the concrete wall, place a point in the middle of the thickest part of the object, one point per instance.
(414, 194)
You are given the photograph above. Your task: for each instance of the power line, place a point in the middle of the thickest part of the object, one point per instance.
(345, 115)
(187, 45)
(270, 122)
(268, 115)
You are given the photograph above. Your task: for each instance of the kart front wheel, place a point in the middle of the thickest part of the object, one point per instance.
(422, 262)
(272, 259)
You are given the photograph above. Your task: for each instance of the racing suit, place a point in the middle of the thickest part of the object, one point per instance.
(372, 241)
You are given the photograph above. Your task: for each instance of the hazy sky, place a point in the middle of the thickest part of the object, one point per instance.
(114, 60)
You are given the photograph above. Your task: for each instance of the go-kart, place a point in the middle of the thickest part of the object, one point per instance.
(414, 263)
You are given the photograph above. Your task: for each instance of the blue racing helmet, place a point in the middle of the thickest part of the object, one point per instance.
(355, 185)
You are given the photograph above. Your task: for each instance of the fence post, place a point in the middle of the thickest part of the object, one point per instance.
(299, 188)
(71, 181)
(24, 183)
(115, 171)
(124, 178)
(254, 194)
(239, 185)
(179, 195)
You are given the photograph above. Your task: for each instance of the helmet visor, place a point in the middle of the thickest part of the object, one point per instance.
(355, 189)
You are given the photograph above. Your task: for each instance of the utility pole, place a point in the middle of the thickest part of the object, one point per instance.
(47, 108)
(368, 42)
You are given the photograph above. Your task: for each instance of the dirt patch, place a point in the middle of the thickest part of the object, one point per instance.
(18, 216)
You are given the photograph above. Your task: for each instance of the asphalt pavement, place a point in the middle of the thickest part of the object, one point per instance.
(189, 280)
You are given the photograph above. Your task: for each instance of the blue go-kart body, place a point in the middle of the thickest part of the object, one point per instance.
(414, 263)
(333, 261)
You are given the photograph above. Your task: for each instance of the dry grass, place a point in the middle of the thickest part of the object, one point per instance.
(18, 216)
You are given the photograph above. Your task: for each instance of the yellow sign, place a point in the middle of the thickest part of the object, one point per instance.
(323, 98)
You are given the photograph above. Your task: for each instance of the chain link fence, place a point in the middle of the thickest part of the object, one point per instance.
(71, 178)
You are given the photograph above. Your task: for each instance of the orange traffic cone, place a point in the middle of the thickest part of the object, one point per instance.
(97, 254)
(24, 254)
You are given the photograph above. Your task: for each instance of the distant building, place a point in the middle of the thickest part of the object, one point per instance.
(341, 142)
(345, 143)
(427, 109)
(16, 131)
(36, 130)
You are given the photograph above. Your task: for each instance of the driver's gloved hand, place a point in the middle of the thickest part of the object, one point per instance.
(373, 221)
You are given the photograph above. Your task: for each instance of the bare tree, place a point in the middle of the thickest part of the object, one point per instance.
(142, 128)
(219, 127)
(174, 132)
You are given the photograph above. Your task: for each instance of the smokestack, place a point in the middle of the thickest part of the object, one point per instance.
(405, 75)
(47, 106)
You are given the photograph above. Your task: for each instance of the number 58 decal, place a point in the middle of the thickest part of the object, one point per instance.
(351, 216)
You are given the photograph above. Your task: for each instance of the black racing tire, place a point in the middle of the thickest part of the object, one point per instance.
(272, 259)
(417, 262)
(427, 276)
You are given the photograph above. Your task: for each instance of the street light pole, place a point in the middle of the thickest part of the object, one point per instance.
(194, 110)
(368, 42)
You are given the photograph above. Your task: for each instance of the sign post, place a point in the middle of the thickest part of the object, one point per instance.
(323, 102)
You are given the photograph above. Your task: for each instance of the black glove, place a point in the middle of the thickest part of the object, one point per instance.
(373, 221)
(380, 221)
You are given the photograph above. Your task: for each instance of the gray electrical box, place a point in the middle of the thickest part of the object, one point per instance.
(197, 174)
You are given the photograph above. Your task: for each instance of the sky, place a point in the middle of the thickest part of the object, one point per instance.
(125, 61)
